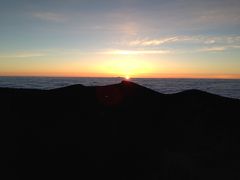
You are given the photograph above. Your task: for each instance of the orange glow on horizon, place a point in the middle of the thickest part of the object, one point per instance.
(126, 67)
(108, 75)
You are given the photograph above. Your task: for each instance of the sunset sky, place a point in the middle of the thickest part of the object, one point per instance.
(136, 38)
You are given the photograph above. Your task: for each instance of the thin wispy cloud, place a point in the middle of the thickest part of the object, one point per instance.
(152, 42)
(50, 16)
(135, 52)
(213, 49)
(210, 41)
(23, 55)
(46, 53)
(218, 48)
(183, 44)
(186, 39)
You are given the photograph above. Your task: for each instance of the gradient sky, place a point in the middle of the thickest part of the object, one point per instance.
(139, 38)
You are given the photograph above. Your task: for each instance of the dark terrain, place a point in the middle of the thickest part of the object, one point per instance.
(121, 131)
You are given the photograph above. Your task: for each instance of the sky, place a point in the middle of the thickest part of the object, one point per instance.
(111, 38)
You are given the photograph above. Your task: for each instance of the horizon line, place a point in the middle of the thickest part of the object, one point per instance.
(123, 77)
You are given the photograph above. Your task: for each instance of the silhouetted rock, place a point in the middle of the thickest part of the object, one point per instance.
(121, 131)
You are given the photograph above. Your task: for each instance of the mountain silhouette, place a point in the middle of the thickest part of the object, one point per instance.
(120, 131)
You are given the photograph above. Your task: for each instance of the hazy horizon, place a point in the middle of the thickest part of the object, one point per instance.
(123, 77)
(118, 38)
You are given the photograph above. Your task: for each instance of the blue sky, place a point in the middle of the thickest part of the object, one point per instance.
(89, 37)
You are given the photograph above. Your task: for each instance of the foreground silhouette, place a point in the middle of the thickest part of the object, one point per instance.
(121, 131)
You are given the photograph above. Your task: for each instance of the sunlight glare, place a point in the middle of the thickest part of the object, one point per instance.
(127, 67)
(127, 77)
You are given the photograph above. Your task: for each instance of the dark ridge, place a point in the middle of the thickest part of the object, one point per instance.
(196, 92)
(127, 85)
(71, 87)
(120, 131)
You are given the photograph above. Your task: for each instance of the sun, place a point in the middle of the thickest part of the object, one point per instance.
(127, 77)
